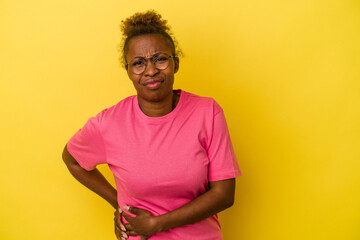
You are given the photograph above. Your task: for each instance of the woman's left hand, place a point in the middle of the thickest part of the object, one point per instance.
(143, 224)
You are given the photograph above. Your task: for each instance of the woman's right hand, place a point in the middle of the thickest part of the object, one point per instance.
(119, 226)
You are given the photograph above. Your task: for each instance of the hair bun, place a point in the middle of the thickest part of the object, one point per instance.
(148, 21)
(140, 23)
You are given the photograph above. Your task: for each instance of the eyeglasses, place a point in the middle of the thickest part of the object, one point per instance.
(138, 65)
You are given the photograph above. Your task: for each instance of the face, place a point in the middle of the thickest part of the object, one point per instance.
(153, 84)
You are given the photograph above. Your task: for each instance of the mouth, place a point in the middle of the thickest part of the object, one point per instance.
(153, 83)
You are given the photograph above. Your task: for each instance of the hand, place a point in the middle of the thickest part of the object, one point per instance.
(120, 230)
(143, 224)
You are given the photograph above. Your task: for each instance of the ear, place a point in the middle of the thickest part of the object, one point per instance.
(127, 72)
(176, 64)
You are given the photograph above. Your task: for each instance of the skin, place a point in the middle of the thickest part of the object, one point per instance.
(93, 180)
(157, 102)
(154, 103)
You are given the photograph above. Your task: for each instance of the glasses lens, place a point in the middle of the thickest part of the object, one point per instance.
(161, 61)
(137, 65)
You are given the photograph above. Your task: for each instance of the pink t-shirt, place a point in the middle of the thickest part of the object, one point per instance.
(161, 163)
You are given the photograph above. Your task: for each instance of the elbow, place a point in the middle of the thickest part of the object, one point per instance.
(229, 199)
(68, 159)
(224, 191)
(65, 155)
(229, 202)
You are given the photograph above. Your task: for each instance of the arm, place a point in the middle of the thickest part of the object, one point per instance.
(219, 197)
(93, 180)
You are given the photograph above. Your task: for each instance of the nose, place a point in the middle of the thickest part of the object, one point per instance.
(150, 69)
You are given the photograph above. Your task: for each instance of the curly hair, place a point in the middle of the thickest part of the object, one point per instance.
(141, 23)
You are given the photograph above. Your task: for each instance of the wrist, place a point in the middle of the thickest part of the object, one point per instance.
(161, 224)
(112, 199)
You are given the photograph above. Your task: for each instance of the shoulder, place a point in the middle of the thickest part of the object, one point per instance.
(203, 103)
(122, 107)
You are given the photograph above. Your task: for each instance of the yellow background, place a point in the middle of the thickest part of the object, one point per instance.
(286, 73)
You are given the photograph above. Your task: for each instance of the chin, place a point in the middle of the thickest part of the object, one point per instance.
(155, 95)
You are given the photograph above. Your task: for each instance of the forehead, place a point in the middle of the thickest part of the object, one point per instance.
(147, 45)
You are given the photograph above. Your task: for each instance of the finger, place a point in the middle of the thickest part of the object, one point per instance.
(136, 210)
(118, 211)
(122, 227)
(118, 233)
(124, 235)
(116, 219)
(127, 227)
(118, 230)
(131, 233)
(133, 210)
(127, 217)
(120, 223)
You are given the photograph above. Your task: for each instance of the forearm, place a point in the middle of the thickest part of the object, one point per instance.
(206, 205)
(93, 180)
(96, 182)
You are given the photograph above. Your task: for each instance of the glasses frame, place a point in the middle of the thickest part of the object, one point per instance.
(146, 62)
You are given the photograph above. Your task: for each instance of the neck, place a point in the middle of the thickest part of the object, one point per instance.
(158, 109)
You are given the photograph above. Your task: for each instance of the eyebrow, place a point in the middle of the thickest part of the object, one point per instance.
(149, 57)
(152, 55)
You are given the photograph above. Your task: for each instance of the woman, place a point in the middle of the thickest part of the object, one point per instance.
(169, 150)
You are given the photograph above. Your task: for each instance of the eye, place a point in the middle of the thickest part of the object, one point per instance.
(137, 63)
(161, 58)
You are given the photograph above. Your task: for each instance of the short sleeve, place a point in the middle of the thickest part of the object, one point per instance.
(223, 163)
(87, 146)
